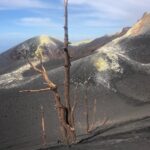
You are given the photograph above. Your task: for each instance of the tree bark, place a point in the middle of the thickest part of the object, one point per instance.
(67, 61)
(67, 65)
(43, 126)
(67, 130)
(86, 111)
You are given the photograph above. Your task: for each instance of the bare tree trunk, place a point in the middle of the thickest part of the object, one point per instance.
(92, 126)
(68, 131)
(67, 70)
(94, 113)
(43, 126)
(67, 61)
(86, 111)
(63, 114)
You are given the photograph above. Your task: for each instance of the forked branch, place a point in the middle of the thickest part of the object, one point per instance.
(33, 66)
(67, 129)
(38, 90)
(65, 113)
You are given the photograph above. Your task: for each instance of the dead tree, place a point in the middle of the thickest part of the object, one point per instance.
(94, 111)
(86, 112)
(67, 65)
(67, 62)
(66, 129)
(65, 112)
(43, 134)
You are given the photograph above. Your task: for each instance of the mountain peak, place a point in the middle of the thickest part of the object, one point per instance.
(45, 39)
(141, 27)
(146, 14)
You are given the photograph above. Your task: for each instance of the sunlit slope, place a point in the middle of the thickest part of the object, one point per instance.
(141, 27)
(14, 58)
(88, 47)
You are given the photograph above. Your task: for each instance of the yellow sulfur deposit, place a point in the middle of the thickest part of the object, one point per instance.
(101, 64)
(43, 39)
(107, 62)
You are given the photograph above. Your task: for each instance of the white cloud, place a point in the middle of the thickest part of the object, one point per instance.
(108, 7)
(77, 2)
(6, 34)
(37, 21)
(104, 24)
(128, 10)
(17, 4)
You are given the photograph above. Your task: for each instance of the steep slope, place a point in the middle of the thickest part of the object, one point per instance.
(13, 58)
(87, 48)
(141, 27)
(124, 63)
(137, 40)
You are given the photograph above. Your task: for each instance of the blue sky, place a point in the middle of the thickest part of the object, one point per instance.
(88, 19)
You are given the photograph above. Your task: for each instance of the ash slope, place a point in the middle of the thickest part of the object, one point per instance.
(119, 83)
(87, 48)
(128, 57)
(13, 59)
